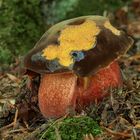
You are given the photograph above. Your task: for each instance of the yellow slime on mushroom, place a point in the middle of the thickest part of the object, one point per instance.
(111, 28)
(72, 38)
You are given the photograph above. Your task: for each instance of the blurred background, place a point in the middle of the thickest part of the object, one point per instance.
(22, 22)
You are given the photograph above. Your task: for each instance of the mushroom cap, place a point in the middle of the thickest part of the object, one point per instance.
(81, 45)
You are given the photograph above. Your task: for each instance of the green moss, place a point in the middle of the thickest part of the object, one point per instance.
(5, 56)
(21, 26)
(71, 128)
(58, 9)
(93, 7)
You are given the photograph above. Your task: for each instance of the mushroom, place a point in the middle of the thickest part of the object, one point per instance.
(77, 62)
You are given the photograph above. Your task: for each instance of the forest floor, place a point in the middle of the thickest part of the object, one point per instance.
(118, 115)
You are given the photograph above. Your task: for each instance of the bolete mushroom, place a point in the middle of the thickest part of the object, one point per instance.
(77, 63)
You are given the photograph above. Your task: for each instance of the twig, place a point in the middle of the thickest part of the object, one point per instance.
(15, 119)
(121, 134)
(57, 134)
(7, 126)
(134, 57)
(26, 124)
(17, 130)
(134, 133)
(34, 134)
(88, 137)
(137, 126)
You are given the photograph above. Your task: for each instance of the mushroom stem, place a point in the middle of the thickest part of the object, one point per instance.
(56, 94)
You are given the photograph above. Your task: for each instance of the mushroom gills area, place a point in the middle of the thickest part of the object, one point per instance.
(60, 93)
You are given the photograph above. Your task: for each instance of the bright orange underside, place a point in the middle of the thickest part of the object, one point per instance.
(59, 93)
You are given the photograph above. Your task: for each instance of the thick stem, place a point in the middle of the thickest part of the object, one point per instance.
(56, 94)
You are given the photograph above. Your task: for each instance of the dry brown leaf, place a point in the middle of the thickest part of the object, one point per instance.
(13, 78)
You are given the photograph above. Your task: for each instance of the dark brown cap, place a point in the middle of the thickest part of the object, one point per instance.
(81, 45)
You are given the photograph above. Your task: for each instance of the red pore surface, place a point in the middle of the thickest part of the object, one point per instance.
(59, 92)
(99, 85)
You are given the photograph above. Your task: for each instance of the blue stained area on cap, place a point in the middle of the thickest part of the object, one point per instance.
(37, 57)
(53, 65)
(77, 55)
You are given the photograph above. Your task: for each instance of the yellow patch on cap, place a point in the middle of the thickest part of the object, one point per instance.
(110, 27)
(73, 38)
